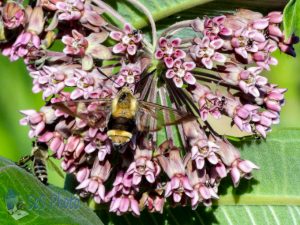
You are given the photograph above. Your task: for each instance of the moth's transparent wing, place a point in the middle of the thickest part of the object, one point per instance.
(94, 112)
(153, 117)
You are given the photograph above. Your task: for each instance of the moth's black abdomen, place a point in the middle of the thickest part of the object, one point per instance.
(121, 123)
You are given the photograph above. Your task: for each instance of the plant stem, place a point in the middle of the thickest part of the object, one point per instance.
(150, 18)
(110, 10)
(176, 27)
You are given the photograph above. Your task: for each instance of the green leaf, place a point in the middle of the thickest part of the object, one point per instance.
(291, 18)
(272, 197)
(196, 8)
(20, 190)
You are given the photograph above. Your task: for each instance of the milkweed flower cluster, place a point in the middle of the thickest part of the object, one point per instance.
(216, 73)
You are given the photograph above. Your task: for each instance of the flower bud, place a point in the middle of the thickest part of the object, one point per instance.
(13, 15)
(36, 21)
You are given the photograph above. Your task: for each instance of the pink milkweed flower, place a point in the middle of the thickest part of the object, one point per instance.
(215, 27)
(50, 79)
(75, 45)
(179, 185)
(70, 9)
(246, 41)
(169, 51)
(248, 79)
(181, 72)
(38, 120)
(91, 19)
(245, 115)
(25, 44)
(95, 183)
(154, 201)
(121, 204)
(28, 41)
(129, 73)
(86, 47)
(49, 4)
(202, 190)
(274, 98)
(267, 118)
(204, 150)
(122, 195)
(143, 165)
(103, 146)
(209, 103)
(13, 15)
(206, 51)
(55, 141)
(241, 168)
(129, 40)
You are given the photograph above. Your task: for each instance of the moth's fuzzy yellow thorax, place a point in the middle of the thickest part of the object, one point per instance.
(124, 104)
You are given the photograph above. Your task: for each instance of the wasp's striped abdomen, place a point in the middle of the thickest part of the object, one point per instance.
(40, 170)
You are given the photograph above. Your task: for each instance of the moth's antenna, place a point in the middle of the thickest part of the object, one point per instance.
(107, 76)
(138, 84)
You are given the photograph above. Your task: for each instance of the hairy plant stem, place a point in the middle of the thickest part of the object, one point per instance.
(110, 10)
(151, 20)
(176, 27)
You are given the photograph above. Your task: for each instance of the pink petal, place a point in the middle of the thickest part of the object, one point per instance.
(176, 42)
(178, 82)
(207, 62)
(189, 66)
(116, 35)
(170, 73)
(260, 24)
(176, 197)
(242, 52)
(93, 186)
(162, 42)
(131, 49)
(216, 44)
(124, 205)
(128, 28)
(118, 48)
(159, 54)
(179, 54)
(219, 57)
(169, 62)
(235, 176)
(247, 166)
(134, 206)
(205, 193)
(83, 184)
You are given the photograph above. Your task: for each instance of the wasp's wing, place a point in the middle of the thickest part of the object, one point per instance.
(94, 112)
(56, 168)
(153, 117)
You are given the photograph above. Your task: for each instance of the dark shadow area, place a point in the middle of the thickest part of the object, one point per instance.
(245, 186)
(181, 215)
(174, 216)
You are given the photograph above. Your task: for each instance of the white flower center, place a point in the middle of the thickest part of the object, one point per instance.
(180, 72)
